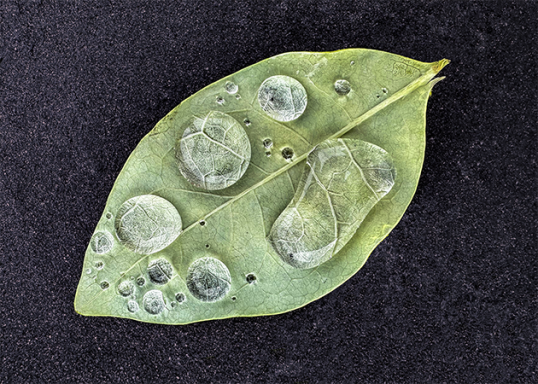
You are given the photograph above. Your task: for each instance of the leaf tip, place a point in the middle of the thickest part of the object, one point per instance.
(440, 65)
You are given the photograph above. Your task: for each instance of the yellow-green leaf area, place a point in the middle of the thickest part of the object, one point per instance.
(215, 260)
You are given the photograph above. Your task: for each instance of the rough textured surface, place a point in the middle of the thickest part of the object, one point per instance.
(449, 296)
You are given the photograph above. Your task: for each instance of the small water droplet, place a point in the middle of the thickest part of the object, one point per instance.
(247, 122)
(238, 96)
(287, 153)
(108, 215)
(352, 62)
(251, 278)
(208, 279)
(88, 271)
(99, 265)
(140, 281)
(132, 306)
(101, 242)
(126, 288)
(207, 245)
(153, 302)
(173, 304)
(104, 285)
(180, 297)
(268, 154)
(160, 271)
(385, 90)
(268, 143)
(234, 298)
(283, 98)
(231, 88)
(220, 100)
(202, 222)
(342, 87)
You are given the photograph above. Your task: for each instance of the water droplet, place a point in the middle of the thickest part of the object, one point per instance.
(220, 100)
(352, 62)
(247, 122)
(268, 143)
(88, 271)
(180, 297)
(173, 304)
(160, 271)
(231, 88)
(153, 302)
(146, 224)
(385, 90)
(287, 153)
(202, 222)
(238, 96)
(342, 87)
(140, 281)
(126, 288)
(282, 98)
(99, 265)
(234, 298)
(207, 245)
(251, 278)
(208, 279)
(101, 242)
(108, 215)
(268, 154)
(214, 152)
(132, 306)
(104, 285)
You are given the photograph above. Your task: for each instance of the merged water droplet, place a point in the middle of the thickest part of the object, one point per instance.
(132, 306)
(160, 271)
(126, 288)
(231, 88)
(282, 98)
(146, 224)
(208, 279)
(153, 302)
(101, 242)
(342, 87)
(214, 152)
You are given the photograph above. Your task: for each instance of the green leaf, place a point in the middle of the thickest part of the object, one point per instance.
(204, 216)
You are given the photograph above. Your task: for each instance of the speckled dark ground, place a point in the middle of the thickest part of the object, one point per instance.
(449, 296)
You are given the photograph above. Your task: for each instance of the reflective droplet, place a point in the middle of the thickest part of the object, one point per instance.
(282, 97)
(268, 143)
(101, 242)
(342, 182)
(287, 153)
(251, 278)
(202, 222)
(88, 271)
(180, 297)
(234, 298)
(153, 302)
(132, 306)
(220, 100)
(99, 265)
(342, 87)
(173, 304)
(140, 281)
(104, 285)
(247, 122)
(146, 224)
(238, 96)
(108, 215)
(352, 62)
(231, 88)
(126, 288)
(160, 271)
(214, 152)
(208, 279)
(384, 90)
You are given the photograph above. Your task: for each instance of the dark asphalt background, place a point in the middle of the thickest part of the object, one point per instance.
(449, 296)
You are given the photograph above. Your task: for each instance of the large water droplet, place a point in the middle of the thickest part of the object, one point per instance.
(153, 302)
(160, 271)
(208, 279)
(231, 88)
(126, 288)
(342, 87)
(146, 224)
(101, 242)
(282, 97)
(214, 152)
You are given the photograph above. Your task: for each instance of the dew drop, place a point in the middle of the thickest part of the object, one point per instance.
(342, 87)
(101, 242)
(99, 265)
(220, 100)
(282, 98)
(234, 298)
(146, 224)
(287, 153)
(153, 302)
(231, 88)
(104, 285)
(384, 90)
(238, 96)
(352, 62)
(208, 279)
(88, 271)
(132, 306)
(214, 152)
(108, 215)
(202, 222)
(126, 288)
(247, 122)
(268, 143)
(180, 297)
(251, 278)
(160, 271)
(268, 154)
(173, 304)
(140, 281)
